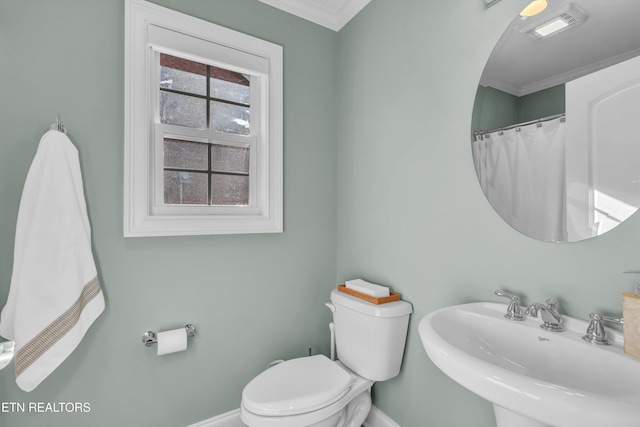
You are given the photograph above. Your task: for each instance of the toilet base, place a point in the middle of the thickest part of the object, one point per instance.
(356, 411)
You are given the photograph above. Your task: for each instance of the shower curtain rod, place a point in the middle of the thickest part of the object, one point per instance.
(539, 121)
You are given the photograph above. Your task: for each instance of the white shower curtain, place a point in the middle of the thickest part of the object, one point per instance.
(522, 172)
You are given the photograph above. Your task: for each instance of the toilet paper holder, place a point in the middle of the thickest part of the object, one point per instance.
(149, 338)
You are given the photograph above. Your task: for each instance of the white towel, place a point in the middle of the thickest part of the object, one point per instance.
(55, 294)
(367, 288)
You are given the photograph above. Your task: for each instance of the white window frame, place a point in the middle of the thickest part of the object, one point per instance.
(151, 29)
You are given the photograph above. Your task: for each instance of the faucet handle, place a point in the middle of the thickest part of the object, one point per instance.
(512, 297)
(513, 310)
(596, 334)
(551, 303)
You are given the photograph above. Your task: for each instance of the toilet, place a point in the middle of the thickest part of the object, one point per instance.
(316, 391)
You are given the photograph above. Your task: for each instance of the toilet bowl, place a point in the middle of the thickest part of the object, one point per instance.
(304, 392)
(316, 391)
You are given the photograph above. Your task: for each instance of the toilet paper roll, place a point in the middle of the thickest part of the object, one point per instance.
(172, 341)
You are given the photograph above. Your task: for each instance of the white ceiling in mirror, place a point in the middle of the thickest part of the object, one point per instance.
(602, 39)
(332, 14)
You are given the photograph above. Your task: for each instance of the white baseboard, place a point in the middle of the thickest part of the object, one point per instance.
(376, 418)
(228, 419)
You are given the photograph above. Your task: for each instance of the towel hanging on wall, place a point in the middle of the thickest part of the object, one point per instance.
(55, 295)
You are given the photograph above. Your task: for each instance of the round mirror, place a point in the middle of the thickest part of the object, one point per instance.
(552, 137)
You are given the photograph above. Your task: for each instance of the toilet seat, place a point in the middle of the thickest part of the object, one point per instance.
(296, 386)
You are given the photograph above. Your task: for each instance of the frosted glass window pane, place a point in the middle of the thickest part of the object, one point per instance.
(230, 91)
(182, 110)
(229, 190)
(183, 75)
(185, 188)
(230, 86)
(229, 159)
(185, 154)
(230, 118)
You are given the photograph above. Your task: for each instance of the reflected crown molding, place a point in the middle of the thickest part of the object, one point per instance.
(496, 83)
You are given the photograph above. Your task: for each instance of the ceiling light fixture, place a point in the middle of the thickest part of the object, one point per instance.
(534, 8)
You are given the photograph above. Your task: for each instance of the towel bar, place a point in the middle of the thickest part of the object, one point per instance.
(149, 338)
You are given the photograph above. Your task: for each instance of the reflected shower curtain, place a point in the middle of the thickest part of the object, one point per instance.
(522, 173)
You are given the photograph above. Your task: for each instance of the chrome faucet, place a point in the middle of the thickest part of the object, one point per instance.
(513, 310)
(551, 317)
(596, 333)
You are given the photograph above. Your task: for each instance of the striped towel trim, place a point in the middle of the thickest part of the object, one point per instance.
(31, 351)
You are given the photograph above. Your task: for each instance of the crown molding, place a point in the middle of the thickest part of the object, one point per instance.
(330, 14)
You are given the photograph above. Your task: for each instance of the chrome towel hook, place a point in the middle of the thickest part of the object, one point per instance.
(57, 125)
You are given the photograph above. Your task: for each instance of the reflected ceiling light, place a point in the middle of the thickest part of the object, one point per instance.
(553, 26)
(562, 19)
(534, 8)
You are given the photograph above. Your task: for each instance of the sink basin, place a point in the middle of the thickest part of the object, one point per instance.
(533, 377)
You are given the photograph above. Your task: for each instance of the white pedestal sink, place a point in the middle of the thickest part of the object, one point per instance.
(533, 377)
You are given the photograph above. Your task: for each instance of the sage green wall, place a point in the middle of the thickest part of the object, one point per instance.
(494, 108)
(544, 103)
(253, 298)
(410, 211)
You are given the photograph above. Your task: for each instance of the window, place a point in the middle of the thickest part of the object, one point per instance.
(203, 127)
(199, 96)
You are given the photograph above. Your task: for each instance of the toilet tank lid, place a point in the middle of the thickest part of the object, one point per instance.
(390, 309)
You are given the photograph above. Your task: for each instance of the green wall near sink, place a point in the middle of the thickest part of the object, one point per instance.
(411, 213)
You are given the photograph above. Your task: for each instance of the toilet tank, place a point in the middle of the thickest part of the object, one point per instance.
(370, 338)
